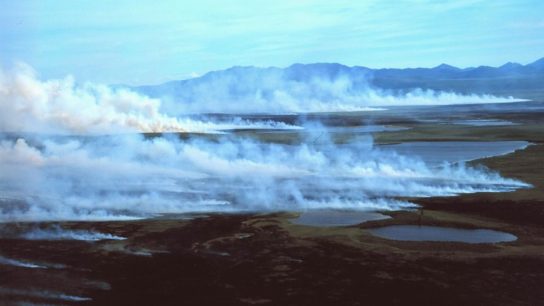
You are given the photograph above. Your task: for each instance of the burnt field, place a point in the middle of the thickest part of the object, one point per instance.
(266, 259)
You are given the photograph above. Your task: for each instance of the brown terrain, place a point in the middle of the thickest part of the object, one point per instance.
(265, 259)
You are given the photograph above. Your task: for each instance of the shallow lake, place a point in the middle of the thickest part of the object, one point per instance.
(370, 128)
(436, 152)
(484, 122)
(435, 233)
(328, 218)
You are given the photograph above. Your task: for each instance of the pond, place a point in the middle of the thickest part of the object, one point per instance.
(484, 122)
(436, 233)
(361, 129)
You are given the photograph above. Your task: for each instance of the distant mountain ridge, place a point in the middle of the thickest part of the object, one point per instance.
(510, 79)
(444, 70)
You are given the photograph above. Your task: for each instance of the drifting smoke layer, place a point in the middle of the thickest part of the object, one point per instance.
(43, 295)
(131, 177)
(58, 233)
(18, 263)
(252, 90)
(60, 106)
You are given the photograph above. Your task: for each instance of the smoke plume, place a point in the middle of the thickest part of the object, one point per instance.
(130, 177)
(303, 90)
(62, 106)
(127, 175)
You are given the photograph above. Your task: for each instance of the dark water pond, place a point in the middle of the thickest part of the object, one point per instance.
(435, 233)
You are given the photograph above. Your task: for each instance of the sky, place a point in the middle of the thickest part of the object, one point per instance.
(149, 42)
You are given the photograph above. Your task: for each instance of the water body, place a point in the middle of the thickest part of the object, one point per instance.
(437, 152)
(435, 233)
(328, 218)
(484, 122)
(371, 128)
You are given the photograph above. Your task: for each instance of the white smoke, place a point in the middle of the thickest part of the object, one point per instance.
(132, 177)
(127, 176)
(61, 106)
(244, 90)
(19, 263)
(44, 295)
(58, 233)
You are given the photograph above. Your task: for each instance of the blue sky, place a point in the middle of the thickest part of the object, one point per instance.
(145, 42)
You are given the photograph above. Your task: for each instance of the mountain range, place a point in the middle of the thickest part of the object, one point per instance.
(510, 79)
